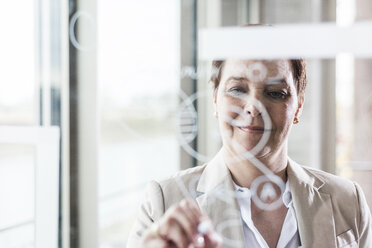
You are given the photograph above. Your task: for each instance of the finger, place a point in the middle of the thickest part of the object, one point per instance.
(156, 243)
(187, 226)
(193, 218)
(200, 241)
(196, 211)
(152, 239)
(189, 212)
(176, 234)
(194, 208)
(212, 240)
(204, 226)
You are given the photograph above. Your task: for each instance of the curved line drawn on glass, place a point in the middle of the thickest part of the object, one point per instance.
(187, 120)
(257, 72)
(73, 39)
(187, 103)
(263, 192)
(195, 72)
(245, 154)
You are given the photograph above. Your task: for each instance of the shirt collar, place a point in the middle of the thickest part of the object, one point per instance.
(287, 196)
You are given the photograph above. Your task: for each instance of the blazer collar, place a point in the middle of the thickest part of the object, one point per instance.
(216, 199)
(313, 208)
(215, 174)
(295, 172)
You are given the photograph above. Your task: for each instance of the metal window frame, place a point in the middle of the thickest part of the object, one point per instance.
(189, 55)
(324, 122)
(82, 127)
(52, 91)
(47, 143)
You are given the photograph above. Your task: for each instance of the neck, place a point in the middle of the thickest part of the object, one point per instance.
(244, 172)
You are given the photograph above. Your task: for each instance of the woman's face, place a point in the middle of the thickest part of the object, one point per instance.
(245, 86)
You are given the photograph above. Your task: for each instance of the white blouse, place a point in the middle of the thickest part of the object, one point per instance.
(289, 236)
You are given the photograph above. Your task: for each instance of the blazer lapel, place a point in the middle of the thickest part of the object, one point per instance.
(216, 199)
(313, 208)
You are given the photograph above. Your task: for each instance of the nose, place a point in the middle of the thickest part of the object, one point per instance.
(252, 110)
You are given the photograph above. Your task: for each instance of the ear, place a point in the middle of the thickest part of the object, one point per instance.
(215, 101)
(215, 96)
(301, 101)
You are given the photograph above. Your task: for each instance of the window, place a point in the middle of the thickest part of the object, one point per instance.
(115, 93)
(138, 78)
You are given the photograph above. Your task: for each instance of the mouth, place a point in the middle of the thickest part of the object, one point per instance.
(253, 129)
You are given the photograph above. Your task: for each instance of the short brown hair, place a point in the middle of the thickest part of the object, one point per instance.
(298, 67)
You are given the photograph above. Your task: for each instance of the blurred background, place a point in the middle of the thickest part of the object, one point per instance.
(125, 88)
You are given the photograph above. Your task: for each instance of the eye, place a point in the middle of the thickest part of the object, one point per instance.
(277, 94)
(236, 91)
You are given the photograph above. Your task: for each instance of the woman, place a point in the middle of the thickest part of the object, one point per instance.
(238, 191)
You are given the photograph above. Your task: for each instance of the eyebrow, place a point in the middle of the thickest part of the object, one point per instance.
(276, 80)
(270, 81)
(236, 78)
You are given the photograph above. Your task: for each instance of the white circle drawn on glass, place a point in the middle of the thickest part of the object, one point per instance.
(267, 179)
(187, 102)
(253, 69)
(250, 154)
(278, 78)
(187, 120)
(266, 134)
(238, 110)
(75, 17)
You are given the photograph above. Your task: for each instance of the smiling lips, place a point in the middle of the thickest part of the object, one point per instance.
(252, 129)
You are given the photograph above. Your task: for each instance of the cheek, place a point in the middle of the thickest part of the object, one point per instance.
(282, 116)
(228, 108)
(226, 118)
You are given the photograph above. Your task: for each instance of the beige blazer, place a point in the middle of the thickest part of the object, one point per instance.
(331, 211)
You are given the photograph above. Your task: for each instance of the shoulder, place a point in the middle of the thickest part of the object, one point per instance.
(349, 204)
(184, 176)
(346, 196)
(340, 190)
(160, 195)
(176, 187)
(332, 184)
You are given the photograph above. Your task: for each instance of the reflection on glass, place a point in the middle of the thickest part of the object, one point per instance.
(17, 63)
(17, 194)
(354, 116)
(138, 78)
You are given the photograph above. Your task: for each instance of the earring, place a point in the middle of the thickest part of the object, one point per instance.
(295, 121)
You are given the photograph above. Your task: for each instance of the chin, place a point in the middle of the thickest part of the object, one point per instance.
(243, 147)
(248, 144)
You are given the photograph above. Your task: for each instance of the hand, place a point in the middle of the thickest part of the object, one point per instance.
(178, 228)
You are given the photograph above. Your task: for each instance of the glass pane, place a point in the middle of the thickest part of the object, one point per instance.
(237, 13)
(354, 116)
(17, 195)
(17, 63)
(138, 60)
